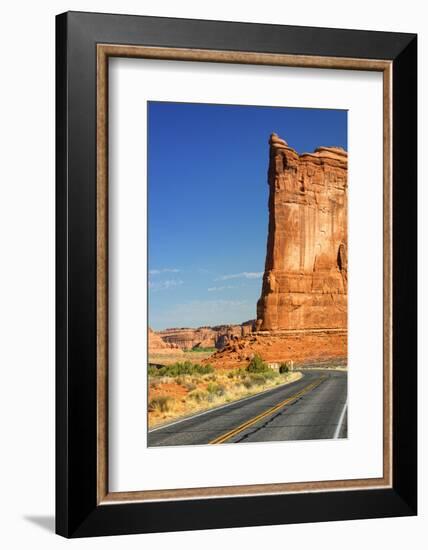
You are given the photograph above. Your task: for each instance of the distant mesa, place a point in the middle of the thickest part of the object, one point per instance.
(159, 346)
(205, 337)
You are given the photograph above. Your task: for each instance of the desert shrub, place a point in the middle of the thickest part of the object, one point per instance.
(247, 383)
(257, 365)
(285, 367)
(199, 396)
(257, 379)
(153, 371)
(270, 374)
(236, 373)
(215, 389)
(162, 403)
(180, 369)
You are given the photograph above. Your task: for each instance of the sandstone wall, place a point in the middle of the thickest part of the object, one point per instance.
(305, 279)
(159, 346)
(205, 337)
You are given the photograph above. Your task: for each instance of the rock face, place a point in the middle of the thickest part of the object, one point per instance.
(159, 346)
(305, 278)
(302, 311)
(228, 333)
(187, 338)
(205, 337)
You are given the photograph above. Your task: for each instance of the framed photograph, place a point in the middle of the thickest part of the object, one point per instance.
(236, 274)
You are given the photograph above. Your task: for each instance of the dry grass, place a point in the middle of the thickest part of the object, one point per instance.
(173, 397)
(170, 358)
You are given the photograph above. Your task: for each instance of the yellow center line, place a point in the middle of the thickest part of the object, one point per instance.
(224, 437)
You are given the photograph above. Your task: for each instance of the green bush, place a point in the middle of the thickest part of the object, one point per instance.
(153, 371)
(270, 374)
(180, 369)
(285, 367)
(257, 365)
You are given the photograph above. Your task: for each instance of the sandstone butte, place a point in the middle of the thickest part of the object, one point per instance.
(302, 310)
(159, 346)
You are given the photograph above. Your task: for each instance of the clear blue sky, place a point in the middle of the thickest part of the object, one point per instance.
(208, 214)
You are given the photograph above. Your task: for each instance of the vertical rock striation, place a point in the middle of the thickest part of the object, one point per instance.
(305, 279)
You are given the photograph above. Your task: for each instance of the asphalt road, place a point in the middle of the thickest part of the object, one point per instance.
(314, 407)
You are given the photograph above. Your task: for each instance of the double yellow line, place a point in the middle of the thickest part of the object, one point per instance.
(224, 437)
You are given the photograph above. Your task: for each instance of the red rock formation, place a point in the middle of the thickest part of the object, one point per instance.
(187, 338)
(205, 337)
(305, 279)
(302, 311)
(159, 346)
(299, 346)
(228, 333)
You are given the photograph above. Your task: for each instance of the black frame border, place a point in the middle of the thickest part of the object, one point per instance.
(77, 512)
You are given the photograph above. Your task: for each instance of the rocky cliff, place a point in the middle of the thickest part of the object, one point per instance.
(205, 337)
(305, 278)
(159, 346)
(302, 310)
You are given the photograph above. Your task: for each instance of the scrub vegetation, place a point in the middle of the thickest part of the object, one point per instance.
(185, 388)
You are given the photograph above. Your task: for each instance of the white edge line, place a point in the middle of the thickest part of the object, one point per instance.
(341, 419)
